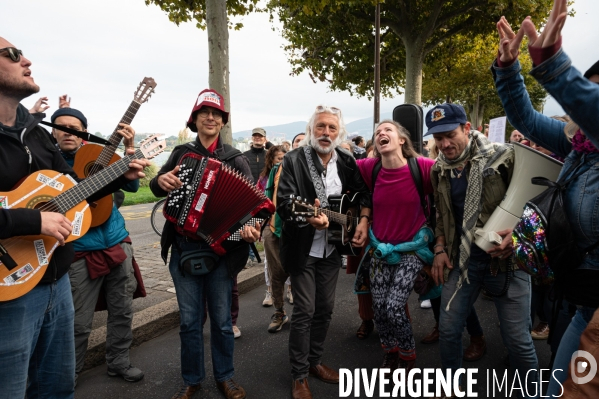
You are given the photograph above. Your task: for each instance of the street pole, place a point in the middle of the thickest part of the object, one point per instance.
(377, 65)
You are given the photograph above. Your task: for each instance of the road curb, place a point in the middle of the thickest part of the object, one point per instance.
(155, 320)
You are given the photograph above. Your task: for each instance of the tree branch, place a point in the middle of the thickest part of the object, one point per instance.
(454, 29)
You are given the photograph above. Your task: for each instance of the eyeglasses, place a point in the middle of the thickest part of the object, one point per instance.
(217, 115)
(324, 108)
(13, 53)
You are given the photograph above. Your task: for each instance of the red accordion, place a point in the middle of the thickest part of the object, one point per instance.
(214, 202)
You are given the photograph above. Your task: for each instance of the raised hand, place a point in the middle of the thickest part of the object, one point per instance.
(509, 42)
(40, 105)
(64, 101)
(553, 29)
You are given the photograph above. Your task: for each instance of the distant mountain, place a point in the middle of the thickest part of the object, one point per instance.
(362, 127)
(288, 130)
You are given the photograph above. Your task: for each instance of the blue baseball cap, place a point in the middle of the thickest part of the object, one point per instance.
(69, 112)
(445, 118)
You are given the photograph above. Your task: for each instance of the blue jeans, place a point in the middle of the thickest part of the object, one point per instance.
(568, 345)
(513, 310)
(216, 288)
(37, 341)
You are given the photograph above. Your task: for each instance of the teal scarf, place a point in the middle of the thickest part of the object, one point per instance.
(392, 253)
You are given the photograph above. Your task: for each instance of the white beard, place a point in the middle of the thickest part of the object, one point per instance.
(322, 150)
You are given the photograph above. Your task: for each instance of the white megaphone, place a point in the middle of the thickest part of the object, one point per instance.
(528, 163)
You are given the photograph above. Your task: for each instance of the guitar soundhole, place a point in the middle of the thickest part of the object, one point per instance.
(92, 168)
(350, 222)
(39, 202)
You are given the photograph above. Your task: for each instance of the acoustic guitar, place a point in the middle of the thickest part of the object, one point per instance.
(343, 214)
(92, 158)
(23, 259)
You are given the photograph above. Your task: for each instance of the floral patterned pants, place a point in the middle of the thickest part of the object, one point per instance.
(391, 286)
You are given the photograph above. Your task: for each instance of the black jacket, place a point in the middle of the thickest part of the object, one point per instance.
(15, 164)
(237, 252)
(296, 239)
(256, 158)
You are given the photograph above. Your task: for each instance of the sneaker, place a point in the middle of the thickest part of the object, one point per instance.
(541, 331)
(236, 332)
(267, 299)
(289, 295)
(130, 374)
(277, 321)
(426, 304)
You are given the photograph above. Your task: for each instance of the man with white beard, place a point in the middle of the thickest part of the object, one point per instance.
(314, 172)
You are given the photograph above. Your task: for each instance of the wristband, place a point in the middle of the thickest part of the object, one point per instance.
(440, 252)
(439, 245)
(365, 216)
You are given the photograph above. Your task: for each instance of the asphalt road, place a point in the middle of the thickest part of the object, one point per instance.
(137, 219)
(261, 359)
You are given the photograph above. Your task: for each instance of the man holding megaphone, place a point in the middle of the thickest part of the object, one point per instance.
(470, 179)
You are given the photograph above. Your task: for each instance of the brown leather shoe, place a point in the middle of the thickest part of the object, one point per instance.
(300, 389)
(325, 374)
(541, 331)
(231, 389)
(432, 337)
(187, 391)
(476, 349)
(365, 329)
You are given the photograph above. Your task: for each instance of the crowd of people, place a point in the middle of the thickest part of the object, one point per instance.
(416, 213)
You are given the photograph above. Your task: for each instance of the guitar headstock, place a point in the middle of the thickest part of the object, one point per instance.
(144, 90)
(152, 146)
(300, 207)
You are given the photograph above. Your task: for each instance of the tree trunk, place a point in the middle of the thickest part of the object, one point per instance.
(476, 112)
(414, 62)
(218, 56)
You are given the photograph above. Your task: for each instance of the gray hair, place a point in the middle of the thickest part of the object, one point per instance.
(329, 110)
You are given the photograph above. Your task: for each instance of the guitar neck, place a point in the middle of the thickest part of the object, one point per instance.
(115, 139)
(94, 183)
(336, 217)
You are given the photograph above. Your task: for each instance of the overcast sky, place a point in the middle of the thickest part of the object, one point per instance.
(98, 52)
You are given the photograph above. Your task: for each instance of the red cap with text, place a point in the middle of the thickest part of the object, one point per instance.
(208, 98)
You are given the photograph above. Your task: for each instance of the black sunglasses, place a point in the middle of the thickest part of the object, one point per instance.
(13, 53)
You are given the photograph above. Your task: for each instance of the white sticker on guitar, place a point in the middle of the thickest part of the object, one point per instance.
(49, 182)
(71, 179)
(13, 277)
(40, 250)
(77, 224)
(3, 202)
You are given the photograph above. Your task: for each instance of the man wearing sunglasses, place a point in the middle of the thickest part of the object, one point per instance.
(314, 171)
(37, 351)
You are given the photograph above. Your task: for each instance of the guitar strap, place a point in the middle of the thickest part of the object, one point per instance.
(316, 179)
(82, 135)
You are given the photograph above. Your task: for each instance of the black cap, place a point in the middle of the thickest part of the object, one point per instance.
(69, 112)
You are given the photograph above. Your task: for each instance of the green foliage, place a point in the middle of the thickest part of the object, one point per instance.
(150, 171)
(458, 71)
(180, 11)
(142, 196)
(333, 40)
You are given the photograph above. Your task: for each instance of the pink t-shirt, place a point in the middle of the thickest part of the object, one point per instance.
(397, 214)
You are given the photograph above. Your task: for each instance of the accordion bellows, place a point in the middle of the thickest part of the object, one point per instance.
(214, 201)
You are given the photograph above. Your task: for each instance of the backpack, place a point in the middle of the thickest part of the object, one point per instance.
(545, 246)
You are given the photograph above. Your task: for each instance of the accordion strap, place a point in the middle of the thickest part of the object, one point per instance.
(316, 179)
